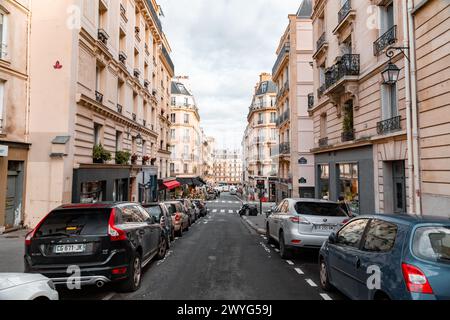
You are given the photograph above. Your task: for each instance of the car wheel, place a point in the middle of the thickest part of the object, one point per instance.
(133, 282)
(162, 248)
(284, 251)
(268, 236)
(324, 279)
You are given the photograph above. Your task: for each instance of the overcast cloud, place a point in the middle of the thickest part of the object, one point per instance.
(223, 46)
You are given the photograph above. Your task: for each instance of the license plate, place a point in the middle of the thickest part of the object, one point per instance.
(324, 227)
(70, 248)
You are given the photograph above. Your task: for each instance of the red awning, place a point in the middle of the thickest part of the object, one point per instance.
(172, 184)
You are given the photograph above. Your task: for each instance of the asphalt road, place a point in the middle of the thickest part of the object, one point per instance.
(222, 258)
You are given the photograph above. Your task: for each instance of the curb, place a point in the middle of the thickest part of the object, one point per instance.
(253, 226)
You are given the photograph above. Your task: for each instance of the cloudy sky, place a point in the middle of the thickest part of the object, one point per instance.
(223, 46)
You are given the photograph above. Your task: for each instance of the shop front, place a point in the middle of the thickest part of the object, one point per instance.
(146, 178)
(98, 183)
(347, 175)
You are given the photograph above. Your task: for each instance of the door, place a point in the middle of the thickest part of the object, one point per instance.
(14, 194)
(134, 223)
(344, 257)
(153, 227)
(398, 173)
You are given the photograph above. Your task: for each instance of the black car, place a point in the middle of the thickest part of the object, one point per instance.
(108, 242)
(163, 217)
(202, 207)
(248, 210)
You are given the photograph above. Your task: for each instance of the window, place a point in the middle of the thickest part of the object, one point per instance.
(173, 118)
(386, 18)
(319, 209)
(3, 35)
(97, 134)
(352, 233)
(349, 185)
(174, 101)
(323, 125)
(118, 141)
(2, 107)
(186, 102)
(172, 133)
(273, 117)
(432, 243)
(389, 101)
(264, 87)
(324, 182)
(131, 214)
(380, 236)
(185, 168)
(186, 118)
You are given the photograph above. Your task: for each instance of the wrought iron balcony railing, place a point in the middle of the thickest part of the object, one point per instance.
(310, 100)
(122, 57)
(285, 50)
(348, 136)
(98, 97)
(285, 148)
(321, 90)
(119, 108)
(387, 39)
(389, 125)
(137, 73)
(321, 41)
(123, 11)
(323, 142)
(103, 36)
(134, 116)
(348, 65)
(345, 10)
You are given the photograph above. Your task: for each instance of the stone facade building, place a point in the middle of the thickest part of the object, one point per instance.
(227, 167)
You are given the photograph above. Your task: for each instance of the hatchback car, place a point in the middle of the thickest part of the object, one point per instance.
(384, 257)
(163, 217)
(109, 242)
(303, 223)
(190, 210)
(180, 218)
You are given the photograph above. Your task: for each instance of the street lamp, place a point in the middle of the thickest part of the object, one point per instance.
(391, 72)
(139, 139)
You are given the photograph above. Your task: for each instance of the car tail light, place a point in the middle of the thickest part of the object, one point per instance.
(296, 241)
(178, 217)
(29, 237)
(416, 281)
(115, 234)
(119, 271)
(345, 221)
(299, 220)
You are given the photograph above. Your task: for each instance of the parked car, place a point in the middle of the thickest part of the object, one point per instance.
(233, 191)
(303, 223)
(22, 286)
(190, 210)
(109, 242)
(212, 195)
(179, 216)
(410, 255)
(163, 217)
(248, 210)
(201, 205)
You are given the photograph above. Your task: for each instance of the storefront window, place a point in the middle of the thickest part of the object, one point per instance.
(324, 182)
(120, 188)
(349, 185)
(92, 192)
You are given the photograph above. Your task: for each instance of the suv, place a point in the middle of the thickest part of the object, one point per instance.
(163, 217)
(303, 223)
(109, 242)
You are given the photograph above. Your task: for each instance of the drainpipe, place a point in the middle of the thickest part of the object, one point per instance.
(414, 107)
(408, 111)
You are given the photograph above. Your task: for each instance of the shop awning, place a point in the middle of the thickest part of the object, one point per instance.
(170, 185)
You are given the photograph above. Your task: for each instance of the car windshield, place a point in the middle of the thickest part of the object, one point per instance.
(432, 243)
(75, 222)
(320, 209)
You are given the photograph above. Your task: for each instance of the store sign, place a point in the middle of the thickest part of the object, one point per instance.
(4, 151)
(302, 161)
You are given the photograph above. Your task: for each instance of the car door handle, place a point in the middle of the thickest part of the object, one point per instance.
(358, 263)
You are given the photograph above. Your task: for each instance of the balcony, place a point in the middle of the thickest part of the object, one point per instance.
(98, 97)
(387, 39)
(123, 11)
(154, 16)
(321, 46)
(321, 90)
(285, 148)
(134, 117)
(281, 56)
(122, 57)
(310, 100)
(136, 73)
(119, 108)
(260, 122)
(103, 36)
(348, 65)
(282, 91)
(389, 125)
(323, 142)
(345, 15)
(146, 84)
(348, 136)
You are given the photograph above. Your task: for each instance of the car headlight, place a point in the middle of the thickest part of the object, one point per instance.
(51, 285)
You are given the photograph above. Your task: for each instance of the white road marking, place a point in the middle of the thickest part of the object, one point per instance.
(230, 211)
(214, 211)
(109, 296)
(290, 262)
(311, 283)
(272, 245)
(299, 271)
(222, 211)
(276, 250)
(325, 297)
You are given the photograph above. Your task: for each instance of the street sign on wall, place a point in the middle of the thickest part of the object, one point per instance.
(4, 151)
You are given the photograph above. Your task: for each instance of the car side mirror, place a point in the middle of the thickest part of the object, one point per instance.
(332, 238)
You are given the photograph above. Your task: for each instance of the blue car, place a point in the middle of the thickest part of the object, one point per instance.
(389, 257)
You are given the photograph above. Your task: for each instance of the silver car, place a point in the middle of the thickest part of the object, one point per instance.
(303, 223)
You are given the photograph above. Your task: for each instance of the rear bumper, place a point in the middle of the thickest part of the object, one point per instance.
(306, 240)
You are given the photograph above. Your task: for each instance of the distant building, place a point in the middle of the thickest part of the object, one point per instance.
(227, 167)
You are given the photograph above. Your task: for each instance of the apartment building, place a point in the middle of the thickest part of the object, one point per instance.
(293, 76)
(14, 82)
(260, 137)
(206, 162)
(359, 107)
(99, 82)
(185, 131)
(227, 167)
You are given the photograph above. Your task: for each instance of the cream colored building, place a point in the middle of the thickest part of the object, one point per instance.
(293, 75)
(206, 161)
(14, 82)
(185, 131)
(227, 167)
(100, 74)
(260, 136)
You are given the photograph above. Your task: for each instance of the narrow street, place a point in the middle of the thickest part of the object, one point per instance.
(221, 258)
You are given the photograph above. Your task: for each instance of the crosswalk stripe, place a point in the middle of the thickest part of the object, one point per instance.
(311, 283)
(325, 297)
(230, 211)
(290, 262)
(299, 271)
(222, 211)
(214, 211)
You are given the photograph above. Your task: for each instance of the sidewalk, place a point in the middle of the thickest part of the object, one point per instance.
(12, 251)
(257, 223)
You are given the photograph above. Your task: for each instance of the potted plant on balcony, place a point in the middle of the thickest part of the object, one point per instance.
(145, 160)
(134, 158)
(100, 155)
(122, 157)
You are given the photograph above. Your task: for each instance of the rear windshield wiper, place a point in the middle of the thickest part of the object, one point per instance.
(59, 234)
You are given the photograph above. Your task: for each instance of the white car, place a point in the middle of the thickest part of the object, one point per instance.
(26, 286)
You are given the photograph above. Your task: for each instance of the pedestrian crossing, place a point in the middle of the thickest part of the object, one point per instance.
(225, 202)
(223, 211)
